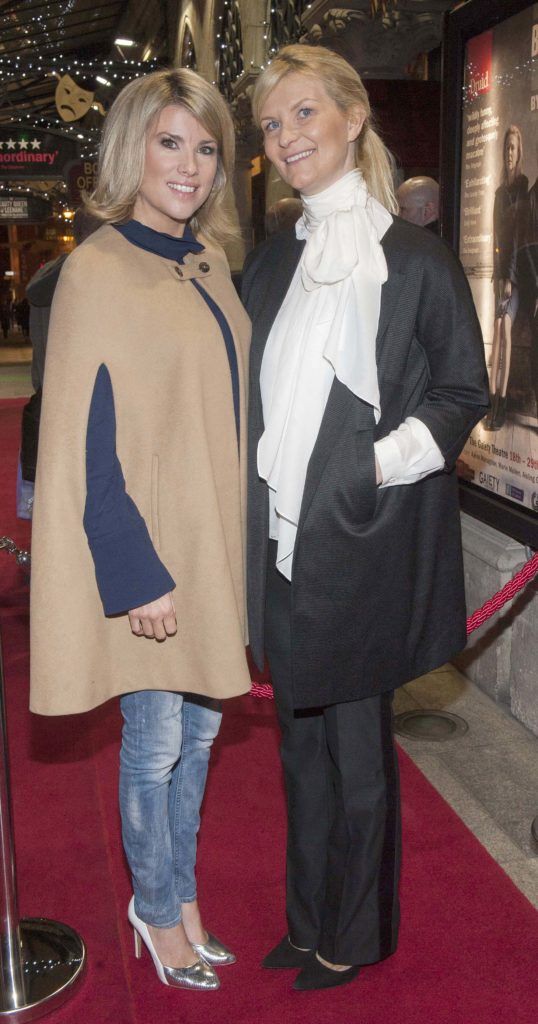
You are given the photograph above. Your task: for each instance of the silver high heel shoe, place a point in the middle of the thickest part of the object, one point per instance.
(214, 951)
(199, 975)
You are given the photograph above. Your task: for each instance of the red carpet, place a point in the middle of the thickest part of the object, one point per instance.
(469, 939)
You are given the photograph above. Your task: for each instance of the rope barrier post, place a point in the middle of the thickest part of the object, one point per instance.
(41, 961)
(11, 969)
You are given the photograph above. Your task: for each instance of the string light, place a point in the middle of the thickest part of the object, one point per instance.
(229, 43)
(21, 68)
(18, 67)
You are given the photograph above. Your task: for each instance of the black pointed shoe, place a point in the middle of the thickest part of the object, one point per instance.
(315, 975)
(285, 955)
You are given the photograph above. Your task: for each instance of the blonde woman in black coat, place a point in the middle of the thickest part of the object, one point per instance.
(509, 209)
(367, 374)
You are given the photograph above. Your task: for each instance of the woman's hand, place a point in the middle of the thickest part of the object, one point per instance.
(156, 620)
(507, 290)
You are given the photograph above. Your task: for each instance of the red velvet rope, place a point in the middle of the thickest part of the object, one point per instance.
(481, 615)
(261, 690)
(510, 589)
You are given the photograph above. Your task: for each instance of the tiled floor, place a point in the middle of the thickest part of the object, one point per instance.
(489, 775)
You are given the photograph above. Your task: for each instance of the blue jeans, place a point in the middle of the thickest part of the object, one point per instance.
(166, 742)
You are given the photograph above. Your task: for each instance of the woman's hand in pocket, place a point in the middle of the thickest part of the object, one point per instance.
(155, 620)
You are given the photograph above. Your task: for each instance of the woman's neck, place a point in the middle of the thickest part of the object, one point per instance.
(157, 221)
(341, 195)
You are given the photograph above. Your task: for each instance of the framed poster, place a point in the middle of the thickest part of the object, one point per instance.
(489, 171)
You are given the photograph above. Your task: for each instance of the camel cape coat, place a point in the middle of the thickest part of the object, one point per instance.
(177, 444)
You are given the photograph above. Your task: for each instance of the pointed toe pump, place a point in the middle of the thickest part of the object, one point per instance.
(199, 975)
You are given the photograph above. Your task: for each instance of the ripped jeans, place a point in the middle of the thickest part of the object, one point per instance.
(166, 743)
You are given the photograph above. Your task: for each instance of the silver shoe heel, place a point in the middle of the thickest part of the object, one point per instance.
(214, 951)
(199, 975)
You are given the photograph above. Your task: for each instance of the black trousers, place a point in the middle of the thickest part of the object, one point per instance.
(341, 777)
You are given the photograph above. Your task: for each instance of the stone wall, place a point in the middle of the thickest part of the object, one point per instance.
(502, 656)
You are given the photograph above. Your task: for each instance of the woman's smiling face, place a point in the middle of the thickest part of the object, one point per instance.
(179, 170)
(307, 138)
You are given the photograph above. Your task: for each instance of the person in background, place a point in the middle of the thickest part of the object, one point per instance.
(367, 374)
(282, 215)
(40, 293)
(418, 202)
(22, 317)
(510, 200)
(138, 534)
(5, 314)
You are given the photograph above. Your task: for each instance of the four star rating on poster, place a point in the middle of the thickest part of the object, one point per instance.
(21, 143)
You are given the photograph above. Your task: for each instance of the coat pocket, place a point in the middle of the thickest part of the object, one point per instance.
(366, 492)
(348, 490)
(155, 533)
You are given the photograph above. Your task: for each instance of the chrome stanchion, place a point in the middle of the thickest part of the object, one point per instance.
(22, 557)
(41, 961)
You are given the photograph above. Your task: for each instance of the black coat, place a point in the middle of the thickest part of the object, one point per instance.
(377, 580)
(509, 201)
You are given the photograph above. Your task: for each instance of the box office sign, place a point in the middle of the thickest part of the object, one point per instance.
(33, 153)
(80, 177)
(16, 209)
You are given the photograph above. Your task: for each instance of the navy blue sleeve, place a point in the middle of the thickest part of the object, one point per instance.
(128, 570)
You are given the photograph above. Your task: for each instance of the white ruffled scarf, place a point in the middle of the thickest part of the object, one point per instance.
(326, 327)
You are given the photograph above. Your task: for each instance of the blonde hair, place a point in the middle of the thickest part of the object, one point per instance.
(344, 86)
(515, 131)
(123, 146)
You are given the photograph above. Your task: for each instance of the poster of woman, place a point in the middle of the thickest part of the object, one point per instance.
(498, 246)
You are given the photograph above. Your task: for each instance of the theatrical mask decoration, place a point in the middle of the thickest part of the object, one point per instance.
(72, 101)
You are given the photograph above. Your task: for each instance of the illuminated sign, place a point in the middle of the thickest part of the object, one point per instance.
(33, 153)
(16, 209)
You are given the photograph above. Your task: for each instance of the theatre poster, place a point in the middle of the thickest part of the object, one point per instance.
(498, 243)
